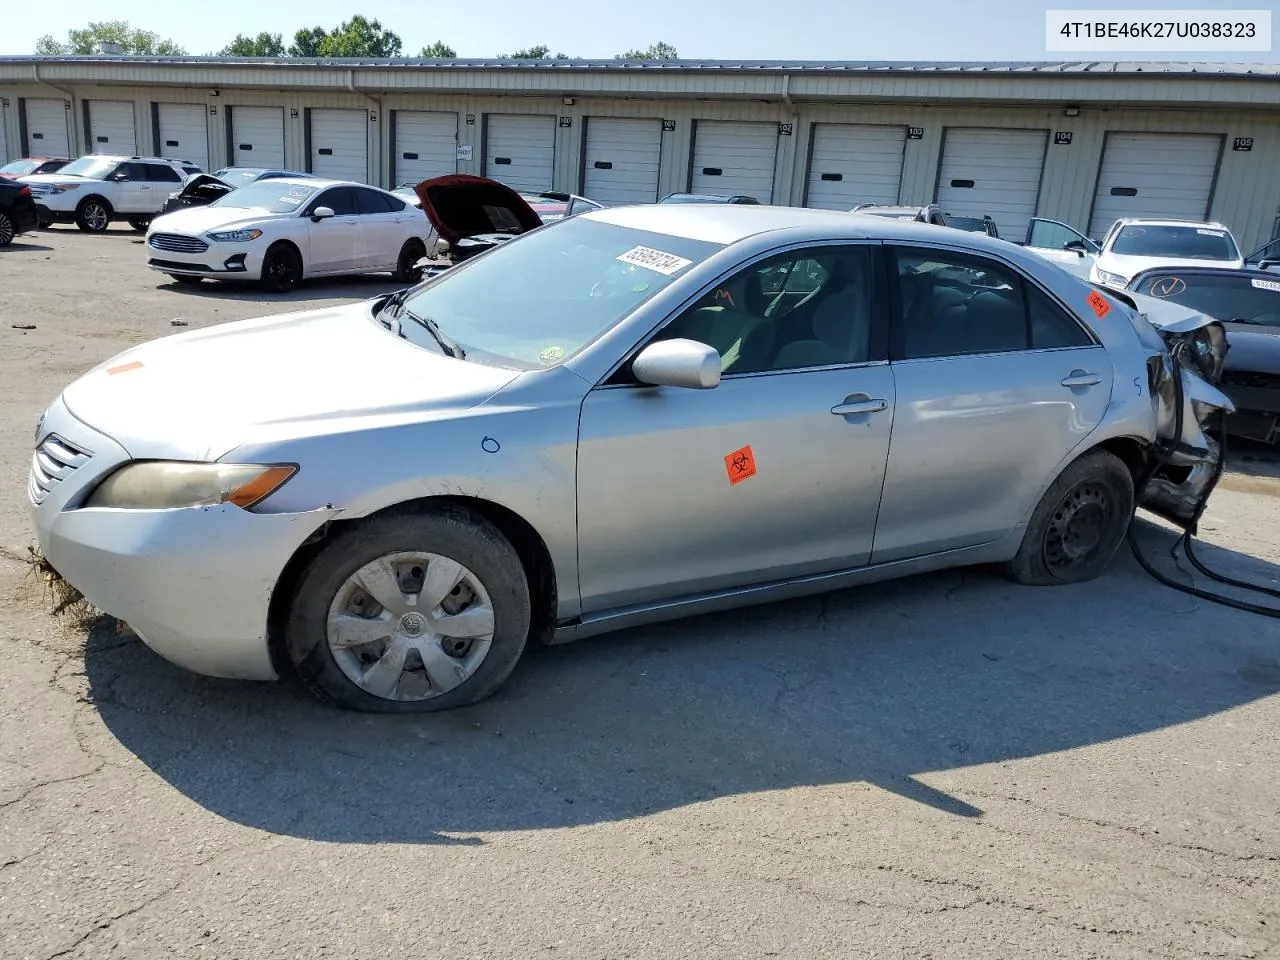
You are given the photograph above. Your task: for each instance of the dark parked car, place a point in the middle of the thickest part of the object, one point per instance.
(29, 165)
(929, 213)
(201, 189)
(1247, 302)
(17, 211)
(1266, 257)
(705, 198)
(974, 225)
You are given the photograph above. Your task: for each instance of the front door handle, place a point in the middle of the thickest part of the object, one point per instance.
(1081, 378)
(853, 406)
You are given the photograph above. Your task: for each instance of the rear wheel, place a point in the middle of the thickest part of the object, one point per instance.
(281, 268)
(140, 224)
(188, 281)
(93, 215)
(1079, 523)
(7, 230)
(410, 613)
(410, 254)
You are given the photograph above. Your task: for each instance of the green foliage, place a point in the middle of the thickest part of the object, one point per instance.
(263, 45)
(86, 40)
(357, 37)
(438, 51)
(658, 51)
(539, 52)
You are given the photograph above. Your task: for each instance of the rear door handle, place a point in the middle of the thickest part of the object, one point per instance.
(852, 407)
(1081, 378)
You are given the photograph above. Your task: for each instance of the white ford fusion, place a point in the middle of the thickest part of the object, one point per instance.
(282, 230)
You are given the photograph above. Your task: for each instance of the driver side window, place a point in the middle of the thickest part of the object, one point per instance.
(807, 308)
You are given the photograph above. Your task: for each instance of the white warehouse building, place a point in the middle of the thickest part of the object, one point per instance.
(1083, 143)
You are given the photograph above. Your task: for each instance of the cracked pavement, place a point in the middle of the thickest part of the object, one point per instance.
(948, 766)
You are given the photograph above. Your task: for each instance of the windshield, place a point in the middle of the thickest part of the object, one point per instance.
(20, 167)
(691, 198)
(540, 298)
(237, 176)
(1180, 243)
(273, 196)
(96, 168)
(1243, 298)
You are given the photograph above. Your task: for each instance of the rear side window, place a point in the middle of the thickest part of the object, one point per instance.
(374, 201)
(161, 173)
(955, 304)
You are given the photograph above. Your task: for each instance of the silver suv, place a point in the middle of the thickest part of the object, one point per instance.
(99, 188)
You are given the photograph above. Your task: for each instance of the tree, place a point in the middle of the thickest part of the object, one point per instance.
(357, 37)
(438, 51)
(86, 40)
(540, 52)
(263, 45)
(658, 51)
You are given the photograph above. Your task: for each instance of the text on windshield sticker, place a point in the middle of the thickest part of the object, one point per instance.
(1272, 285)
(1209, 233)
(655, 260)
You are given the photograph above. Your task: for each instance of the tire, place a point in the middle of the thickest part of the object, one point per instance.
(329, 592)
(93, 215)
(140, 224)
(410, 253)
(281, 268)
(1078, 525)
(7, 230)
(185, 280)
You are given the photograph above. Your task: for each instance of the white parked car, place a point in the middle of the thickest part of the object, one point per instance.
(96, 189)
(281, 230)
(1134, 245)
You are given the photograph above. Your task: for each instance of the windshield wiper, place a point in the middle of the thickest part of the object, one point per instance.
(450, 348)
(392, 305)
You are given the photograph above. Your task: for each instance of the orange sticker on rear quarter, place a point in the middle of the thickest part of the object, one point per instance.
(740, 465)
(1098, 304)
(124, 368)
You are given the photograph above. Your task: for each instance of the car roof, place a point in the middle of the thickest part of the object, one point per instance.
(1172, 222)
(729, 223)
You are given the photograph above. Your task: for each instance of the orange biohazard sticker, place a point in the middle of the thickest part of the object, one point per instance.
(124, 368)
(1098, 304)
(740, 465)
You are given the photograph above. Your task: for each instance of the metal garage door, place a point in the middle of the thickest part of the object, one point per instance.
(992, 173)
(340, 144)
(520, 151)
(1155, 175)
(4, 140)
(257, 136)
(426, 146)
(852, 163)
(46, 126)
(732, 159)
(183, 133)
(621, 161)
(111, 128)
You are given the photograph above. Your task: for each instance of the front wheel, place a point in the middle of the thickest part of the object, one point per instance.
(281, 268)
(410, 613)
(407, 270)
(1079, 523)
(7, 230)
(140, 224)
(93, 215)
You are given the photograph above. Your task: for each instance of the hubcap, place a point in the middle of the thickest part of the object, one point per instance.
(95, 216)
(1078, 527)
(410, 626)
(6, 229)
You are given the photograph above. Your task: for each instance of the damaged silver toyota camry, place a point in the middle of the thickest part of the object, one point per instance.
(629, 416)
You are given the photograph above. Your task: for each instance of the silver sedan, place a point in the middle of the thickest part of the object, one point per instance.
(632, 415)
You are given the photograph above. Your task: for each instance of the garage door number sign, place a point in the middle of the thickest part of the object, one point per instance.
(1242, 143)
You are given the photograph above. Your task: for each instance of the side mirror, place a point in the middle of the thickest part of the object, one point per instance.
(678, 363)
(1076, 245)
(321, 213)
(1268, 264)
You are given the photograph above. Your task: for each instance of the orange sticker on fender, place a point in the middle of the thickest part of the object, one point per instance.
(1098, 304)
(124, 368)
(740, 465)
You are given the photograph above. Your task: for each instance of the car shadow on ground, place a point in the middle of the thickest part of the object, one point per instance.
(881, 685)
(326, 288)
(22, 244)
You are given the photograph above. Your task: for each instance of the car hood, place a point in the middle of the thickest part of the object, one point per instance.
(194, 220)
(1253, 348)
(57, 178)
(196, 181)
(198, 395)
(460, 205)
(1129, 266)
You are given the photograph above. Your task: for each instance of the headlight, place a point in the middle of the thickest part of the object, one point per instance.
(65, 187)
(1209, 348)
(161, 485)
(1112, 279)
(235, 236)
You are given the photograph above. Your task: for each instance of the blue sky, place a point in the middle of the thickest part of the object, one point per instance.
(711, 29)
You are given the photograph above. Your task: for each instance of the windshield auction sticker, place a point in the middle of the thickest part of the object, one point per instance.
(655, 260)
